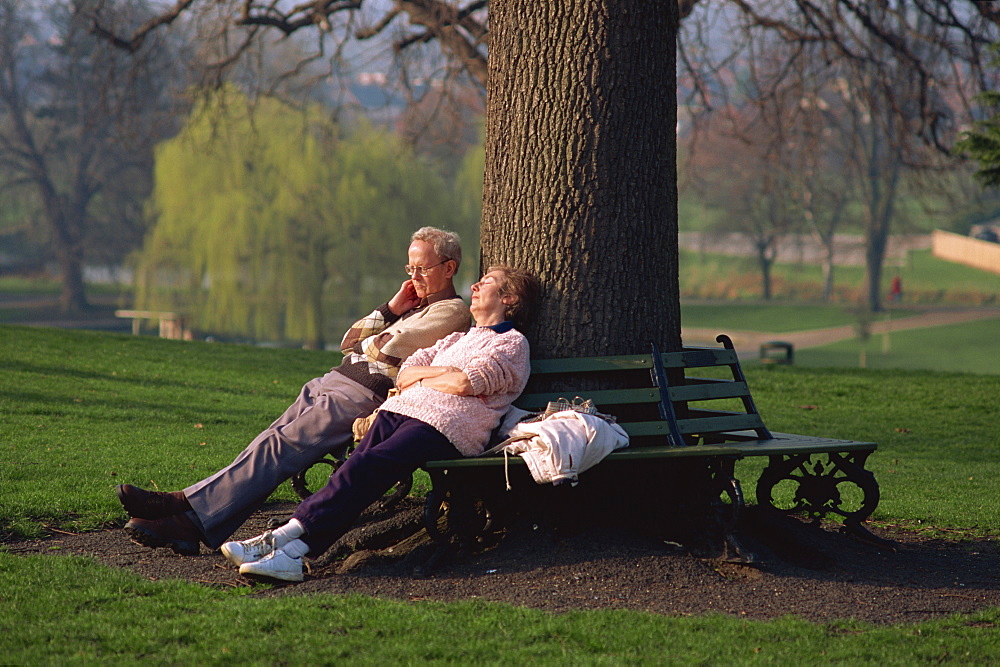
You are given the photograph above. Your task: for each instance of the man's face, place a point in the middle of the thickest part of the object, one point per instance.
(438, 278)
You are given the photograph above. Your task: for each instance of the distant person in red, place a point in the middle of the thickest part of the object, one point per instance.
(896, 289)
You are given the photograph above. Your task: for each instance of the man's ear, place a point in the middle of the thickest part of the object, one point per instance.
(451, 268)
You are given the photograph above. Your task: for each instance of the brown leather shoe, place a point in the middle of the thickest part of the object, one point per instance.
(151, 504)
(177, 532)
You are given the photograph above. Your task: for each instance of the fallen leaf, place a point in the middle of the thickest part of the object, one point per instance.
(809, 407)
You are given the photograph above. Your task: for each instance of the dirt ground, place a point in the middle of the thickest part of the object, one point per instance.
(814, 572)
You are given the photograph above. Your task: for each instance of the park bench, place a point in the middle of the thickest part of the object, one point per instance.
(690, 417)
(169, 325)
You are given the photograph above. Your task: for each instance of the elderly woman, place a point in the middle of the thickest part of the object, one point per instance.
(452, 396)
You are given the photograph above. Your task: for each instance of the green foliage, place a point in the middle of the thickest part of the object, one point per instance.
(71, 609)
(272, 223)
(983, 142)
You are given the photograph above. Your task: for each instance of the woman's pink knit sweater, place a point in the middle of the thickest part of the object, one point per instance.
(497, 365)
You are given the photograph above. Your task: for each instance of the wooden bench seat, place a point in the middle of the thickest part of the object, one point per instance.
(692, 405)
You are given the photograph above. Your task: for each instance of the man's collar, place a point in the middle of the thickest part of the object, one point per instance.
(447, 293)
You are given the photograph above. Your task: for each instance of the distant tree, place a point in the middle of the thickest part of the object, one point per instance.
(982, 141)
(271, 224)
(820, 172)
(741, 171)
(903, 70)
(77, 124)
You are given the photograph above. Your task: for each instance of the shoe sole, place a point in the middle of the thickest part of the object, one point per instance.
(235, 559)
(271, 576)
(149, 539)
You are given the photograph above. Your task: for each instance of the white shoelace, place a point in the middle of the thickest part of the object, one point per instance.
(266, 540)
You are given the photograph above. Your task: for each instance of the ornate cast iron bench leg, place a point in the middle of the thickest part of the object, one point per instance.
(817, 491)
(724, 482)
(453, 519)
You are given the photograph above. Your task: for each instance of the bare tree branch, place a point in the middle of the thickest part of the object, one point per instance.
(132, 43)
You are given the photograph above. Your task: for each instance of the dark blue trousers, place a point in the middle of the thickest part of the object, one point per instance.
(394, 447)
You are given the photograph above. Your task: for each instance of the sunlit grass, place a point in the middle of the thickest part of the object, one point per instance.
(925, 279)
(771, 317)
(81, 412)
(69, 609)
(969, 347)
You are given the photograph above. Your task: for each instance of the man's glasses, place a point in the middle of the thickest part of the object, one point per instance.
(420, 270)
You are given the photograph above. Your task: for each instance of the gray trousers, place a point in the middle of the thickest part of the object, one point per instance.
(319, 422)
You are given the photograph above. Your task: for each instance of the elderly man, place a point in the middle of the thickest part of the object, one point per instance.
(319, 422)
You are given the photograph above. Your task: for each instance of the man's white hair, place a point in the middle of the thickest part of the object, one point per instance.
(447, 245)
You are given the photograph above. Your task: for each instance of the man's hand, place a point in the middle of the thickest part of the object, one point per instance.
(406, 299)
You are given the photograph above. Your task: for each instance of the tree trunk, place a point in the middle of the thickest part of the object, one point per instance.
(828, 269)
(766, 254)
(883, 176)
(64, 224)
(767, 289)
(72, 295)
(876, 243)
(580, 183)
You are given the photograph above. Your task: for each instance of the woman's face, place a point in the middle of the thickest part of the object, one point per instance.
(487, 305)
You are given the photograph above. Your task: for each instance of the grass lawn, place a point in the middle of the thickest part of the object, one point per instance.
(770, 317)
(81, 412)
(73, 610)
(969, 347)
(926, 279)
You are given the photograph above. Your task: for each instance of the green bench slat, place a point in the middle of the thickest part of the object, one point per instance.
(705, 392)
(626, 454)
(639, 429)
(790, 443)
(718, 424)
(601, 398)
(696, 357)
(591, 364)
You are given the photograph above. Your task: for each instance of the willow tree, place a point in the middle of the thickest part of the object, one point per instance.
(270, 224)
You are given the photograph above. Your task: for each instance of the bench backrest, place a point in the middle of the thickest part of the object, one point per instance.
(697, 395)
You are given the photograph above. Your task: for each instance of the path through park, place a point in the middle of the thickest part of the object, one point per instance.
(748, 342)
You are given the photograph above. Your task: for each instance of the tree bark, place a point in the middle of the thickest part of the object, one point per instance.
(765, 259)
(580, 183)
(72, 295)
(64, 225)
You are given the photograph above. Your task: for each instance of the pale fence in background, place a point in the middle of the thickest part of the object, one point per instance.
(965, 250)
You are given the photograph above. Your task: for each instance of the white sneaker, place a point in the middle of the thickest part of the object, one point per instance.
(248, 551)
(277, 565)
